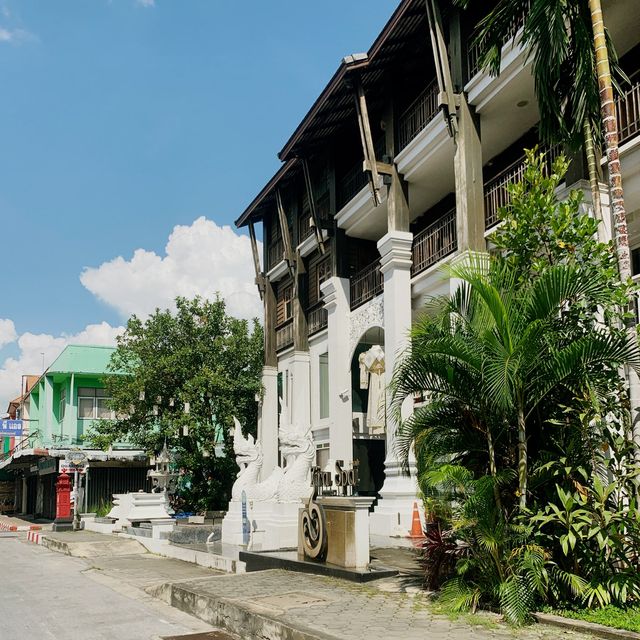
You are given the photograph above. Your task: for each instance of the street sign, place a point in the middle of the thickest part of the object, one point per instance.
(67, 467)
(11, 428)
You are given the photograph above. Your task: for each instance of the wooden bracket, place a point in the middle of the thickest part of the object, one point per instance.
(446, 96)
(367, 144)
(284, 230)
(383, 168)
(317, 231)
(260, 280)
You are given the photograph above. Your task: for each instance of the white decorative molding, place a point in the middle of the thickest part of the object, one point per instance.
(370, 314)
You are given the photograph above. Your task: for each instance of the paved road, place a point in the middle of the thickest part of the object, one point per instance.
(49, 596)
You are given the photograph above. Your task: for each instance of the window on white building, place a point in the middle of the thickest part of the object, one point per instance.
(324, 385)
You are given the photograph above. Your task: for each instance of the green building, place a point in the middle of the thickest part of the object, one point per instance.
(58, 411)
(69, 397)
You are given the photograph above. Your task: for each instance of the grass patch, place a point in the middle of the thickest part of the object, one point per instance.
(627, 619)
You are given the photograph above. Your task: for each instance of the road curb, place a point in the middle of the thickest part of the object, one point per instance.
(583, 626)
(231, 615)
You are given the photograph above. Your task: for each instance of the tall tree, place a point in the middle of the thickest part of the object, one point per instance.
(575, 68)
(186, 374)
(614, 174)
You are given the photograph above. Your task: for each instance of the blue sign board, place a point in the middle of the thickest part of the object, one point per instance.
(11, 428)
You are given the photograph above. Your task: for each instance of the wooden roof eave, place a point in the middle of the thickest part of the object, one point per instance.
(253, 212)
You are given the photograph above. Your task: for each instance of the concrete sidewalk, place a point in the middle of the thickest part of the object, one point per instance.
(282, 605)
(287, 606)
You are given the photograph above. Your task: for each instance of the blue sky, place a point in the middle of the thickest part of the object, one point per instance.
(124, 118)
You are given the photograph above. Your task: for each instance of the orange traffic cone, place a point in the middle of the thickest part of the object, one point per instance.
(416, 524)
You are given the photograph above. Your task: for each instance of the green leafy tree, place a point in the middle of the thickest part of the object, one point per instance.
(540, 230)
(509, 349)
(520, 368)
(187, 373)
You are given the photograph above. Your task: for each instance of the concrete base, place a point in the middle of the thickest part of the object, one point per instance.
(347, 520)
(393, 516)
(62, 524)
(232, 524)
(100, 527)
(274, 525)
(292, 561)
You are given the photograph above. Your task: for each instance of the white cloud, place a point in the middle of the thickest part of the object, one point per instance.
(7, 332)
(146, 3)
(32, 346)
(200, 259)
(15, 36)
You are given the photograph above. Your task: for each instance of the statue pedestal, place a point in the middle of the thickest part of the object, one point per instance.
(232, 524)
(347, 520)
(274, 525)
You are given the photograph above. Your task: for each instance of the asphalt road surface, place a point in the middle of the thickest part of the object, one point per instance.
(48, 596)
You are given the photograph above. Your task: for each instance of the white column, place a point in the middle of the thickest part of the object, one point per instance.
(268, 424)
(336, 301)
(393, 514)
(301, 391)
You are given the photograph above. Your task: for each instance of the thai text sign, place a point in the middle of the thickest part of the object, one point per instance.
(67, 467)
(11, 428)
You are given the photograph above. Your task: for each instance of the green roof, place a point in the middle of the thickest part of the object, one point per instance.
(80, 358)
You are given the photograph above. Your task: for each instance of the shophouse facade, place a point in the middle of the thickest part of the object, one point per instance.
(58, 411)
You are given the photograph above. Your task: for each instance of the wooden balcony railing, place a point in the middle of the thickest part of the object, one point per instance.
(366, 285)
(316, 319)
(475, 48)
(284, 335)
(323, 212)
(435, 242)
(418, 115)
(628, 112)
(275, 253)
(496, 192)
(356, 179)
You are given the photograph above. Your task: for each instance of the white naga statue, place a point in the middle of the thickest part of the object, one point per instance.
(372, 378)
(289, 484)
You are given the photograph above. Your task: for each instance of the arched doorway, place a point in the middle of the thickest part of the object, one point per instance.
(368, 410)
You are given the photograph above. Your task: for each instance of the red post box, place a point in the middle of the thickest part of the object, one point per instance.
(63, 503)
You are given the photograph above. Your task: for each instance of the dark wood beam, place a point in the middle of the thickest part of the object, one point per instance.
(317, 231)
(256, 260)
(367, 144)
(284, 230)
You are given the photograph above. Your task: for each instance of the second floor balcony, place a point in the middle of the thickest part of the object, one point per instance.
(275, 253)
(496, 189)
(284, 335)
(323, 211)
(418, 115)
(316, 319)
(434, 243)
(366, 284)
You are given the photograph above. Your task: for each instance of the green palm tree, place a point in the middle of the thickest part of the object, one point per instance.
(493, 360)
